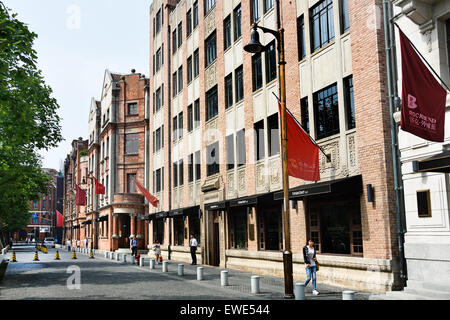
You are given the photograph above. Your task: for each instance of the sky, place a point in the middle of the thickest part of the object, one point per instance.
(78, 40)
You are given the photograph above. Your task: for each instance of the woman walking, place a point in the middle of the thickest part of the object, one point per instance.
(156, 250)
(309, 255)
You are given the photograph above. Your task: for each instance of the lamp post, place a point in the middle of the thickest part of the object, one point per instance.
(254, 46)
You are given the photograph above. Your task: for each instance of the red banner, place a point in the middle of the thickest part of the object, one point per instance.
(423, 98)
(99, 188)
(152, 199)
(80, 199)
(303, 154)
(59, 219)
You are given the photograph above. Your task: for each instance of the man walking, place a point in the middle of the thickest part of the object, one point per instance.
(193, 245)
(133, 245)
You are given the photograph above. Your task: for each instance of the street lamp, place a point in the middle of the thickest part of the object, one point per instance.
(255, 46)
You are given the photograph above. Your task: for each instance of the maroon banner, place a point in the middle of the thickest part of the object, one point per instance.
(99, 188)
(423, 98)
(152, 199)
(80, 199)
(303, 154)
(59, 219)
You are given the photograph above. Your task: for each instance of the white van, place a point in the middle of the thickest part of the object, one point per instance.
(49, 242)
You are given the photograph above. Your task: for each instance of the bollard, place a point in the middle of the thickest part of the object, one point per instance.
(224, 278)
(255, 284)
(199, 273)
(141, 261)
(299, 291)
(152, 263)
(117, 256)
(111, 255)
(3, 251)
(181, 269)
(348, 295)
(132, 259)
(106, 255)
(165, 266)
(124, 258)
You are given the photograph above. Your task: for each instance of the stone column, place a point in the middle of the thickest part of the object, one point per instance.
(115, 234)
(132, 225)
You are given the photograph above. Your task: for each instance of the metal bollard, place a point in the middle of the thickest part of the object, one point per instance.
(132, 259)
(111, 255)
(117, 256)
(141, 261)
(181, 269)
(199, 273)
(106, 254)
(165, 266)
(124, 258)
(348, 295)
(224, 278)
(255, 284)
(299, 291)
(152, 263)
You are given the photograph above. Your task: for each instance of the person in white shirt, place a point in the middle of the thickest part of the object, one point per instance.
(156, 250)
(193, 245)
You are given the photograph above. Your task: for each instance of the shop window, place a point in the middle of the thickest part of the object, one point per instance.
(178, 230)
(270, 228)
(194, 227)
(158, 230)
(423, 203)
(238, 228)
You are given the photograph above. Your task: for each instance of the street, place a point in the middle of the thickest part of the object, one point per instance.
(102, 279)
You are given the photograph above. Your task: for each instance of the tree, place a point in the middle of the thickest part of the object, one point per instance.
(28, 123)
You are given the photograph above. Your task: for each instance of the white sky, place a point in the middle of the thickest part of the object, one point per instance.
(78, 40)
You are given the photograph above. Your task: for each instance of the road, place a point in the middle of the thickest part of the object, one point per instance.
(103, 279)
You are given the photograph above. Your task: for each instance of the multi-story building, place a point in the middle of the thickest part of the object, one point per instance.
(75, 173)
(215, 161)
(425, 164)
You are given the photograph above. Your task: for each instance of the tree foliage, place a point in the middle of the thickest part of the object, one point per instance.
(28, 122)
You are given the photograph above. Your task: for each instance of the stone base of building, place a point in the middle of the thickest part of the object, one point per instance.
(364, 274)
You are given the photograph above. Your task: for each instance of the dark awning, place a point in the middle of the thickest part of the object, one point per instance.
(352, 185)
(245, 201)
(184, 211)
(216, 205)
(437, 163)
(102, 218)
(158, 215)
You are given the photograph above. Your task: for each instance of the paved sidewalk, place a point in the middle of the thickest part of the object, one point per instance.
(109, 279)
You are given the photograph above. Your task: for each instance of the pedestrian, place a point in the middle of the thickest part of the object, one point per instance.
(68, 244)
(309, 256)
(133, 246)
(78, 243)
(156, 250)
(193, 245)
(85, 243)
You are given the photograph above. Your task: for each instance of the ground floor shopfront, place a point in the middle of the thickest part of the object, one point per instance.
(247, 234)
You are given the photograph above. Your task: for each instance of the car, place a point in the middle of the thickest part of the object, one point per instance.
(49, 242)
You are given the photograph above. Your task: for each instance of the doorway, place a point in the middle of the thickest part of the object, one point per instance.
(124, 240)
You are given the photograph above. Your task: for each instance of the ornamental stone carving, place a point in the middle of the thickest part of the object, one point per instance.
(211, 76)
(210, 22)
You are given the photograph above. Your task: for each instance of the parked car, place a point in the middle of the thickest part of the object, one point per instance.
(49, 242)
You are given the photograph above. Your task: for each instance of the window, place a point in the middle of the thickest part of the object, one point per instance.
(131, 143)
(191, 167)
(178, 228)
(273, 135)
(230, 151)
(198, 173)
(229, 90)
(195, 14)
(174, 41)
(180, 125)
(180, 34)
(174, 129)
(197, 113)
(239, 81)
(188, 23)
(181, 174)
(209, 4)
(158, 139)
(158, 21)
(175, 174)
(349, 102)
(158, 99)
(237, 22)
(180, 78)
(271, 63)
(227, 32)
(132, 109)
(259, 140)
(158, 230)
(240, 147)
(301, 37)
(304, 109)
(211, 104)
(345, 20)
(210, 49)
(189, 69)
(196, 63)
(158, 181)
(212, 158)
(255, 10)
(268, 4)
(190, 118)
(322, 26)
(423, 203)
(257, 71)
(174, 83)
(238, 228)
(158, 60)
(326, 112)
(194, 227)
(270, 229)
(131, 183)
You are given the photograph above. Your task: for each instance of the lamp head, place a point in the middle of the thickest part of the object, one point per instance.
(254, 46)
